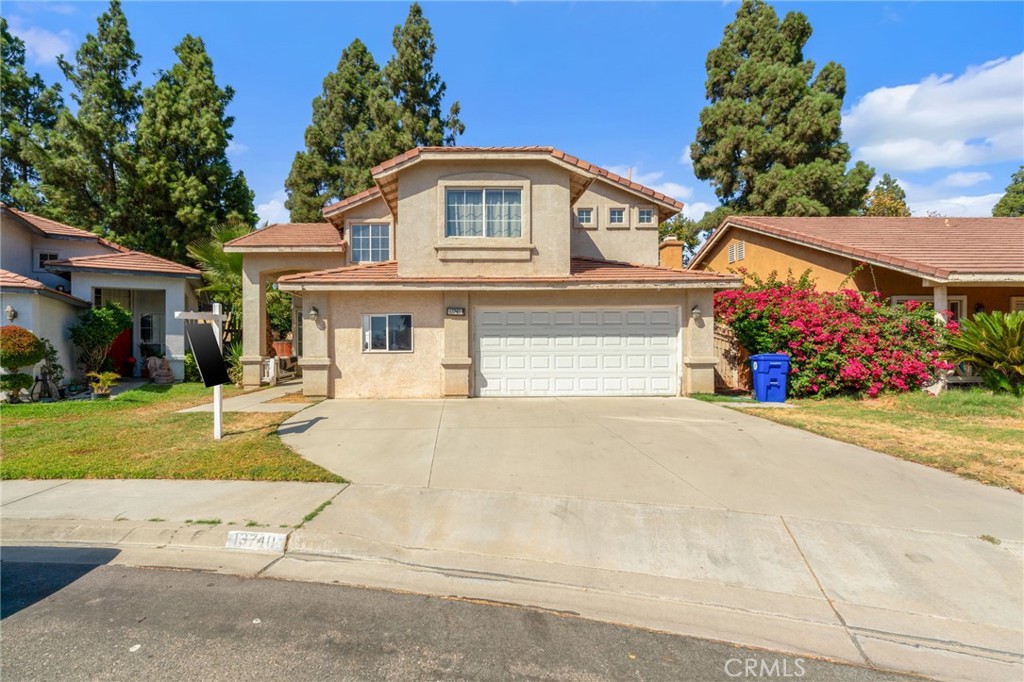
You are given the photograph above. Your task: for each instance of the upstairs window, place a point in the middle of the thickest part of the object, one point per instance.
(44, 257)
(616, 216)
(370, 243)
(585, 216)
(645, 216)
(484, 213)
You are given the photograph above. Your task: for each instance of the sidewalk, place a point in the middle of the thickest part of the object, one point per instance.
(259, 400)
(943, 605)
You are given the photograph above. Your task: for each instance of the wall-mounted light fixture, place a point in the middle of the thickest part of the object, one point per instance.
(314, 313)
(11, 313)
(695, 312)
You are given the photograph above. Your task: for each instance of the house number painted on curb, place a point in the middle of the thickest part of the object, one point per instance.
(457, 312)
(255, 542)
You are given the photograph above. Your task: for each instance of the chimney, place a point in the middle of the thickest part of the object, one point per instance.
(670, 252)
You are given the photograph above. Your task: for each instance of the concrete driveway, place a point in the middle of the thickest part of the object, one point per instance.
(677, 515)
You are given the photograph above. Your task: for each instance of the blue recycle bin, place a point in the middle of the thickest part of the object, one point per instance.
(770, 372)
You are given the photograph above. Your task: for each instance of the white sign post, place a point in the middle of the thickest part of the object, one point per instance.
(217, 318)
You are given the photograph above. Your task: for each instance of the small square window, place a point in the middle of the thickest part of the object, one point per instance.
(585, 216)
(645, 216)
(387, 333)
(617, 216)
(370, 243)
(43, 257)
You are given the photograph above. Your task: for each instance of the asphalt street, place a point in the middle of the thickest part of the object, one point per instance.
(83, 621)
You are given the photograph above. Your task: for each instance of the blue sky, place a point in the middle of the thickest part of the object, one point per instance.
(935, 89)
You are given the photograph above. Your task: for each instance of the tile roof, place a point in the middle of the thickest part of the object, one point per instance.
(51, 228)
(933, 247)
(290, 235)
(12, 280)
(581, 271)
(549, 151)
(359, 198)
(130, 261)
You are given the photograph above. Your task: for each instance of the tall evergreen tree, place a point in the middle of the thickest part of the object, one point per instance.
(28, 111)
(341, 116)
(886, 199)
(88, 170)
(1011, 204)
(366, 115)
(184, 173)
(770, 139)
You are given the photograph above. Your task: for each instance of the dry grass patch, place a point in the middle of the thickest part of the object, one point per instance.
(141, 435)
(972, 433)
(296, 397)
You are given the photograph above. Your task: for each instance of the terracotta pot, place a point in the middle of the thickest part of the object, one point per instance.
(283, 349)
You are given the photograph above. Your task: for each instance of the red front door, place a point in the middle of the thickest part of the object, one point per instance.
(120, 351)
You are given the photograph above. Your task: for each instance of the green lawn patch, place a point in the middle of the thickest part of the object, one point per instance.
(973, 433)
(140, 435)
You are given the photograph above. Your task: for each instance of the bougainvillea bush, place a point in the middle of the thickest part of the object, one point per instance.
(846, 342)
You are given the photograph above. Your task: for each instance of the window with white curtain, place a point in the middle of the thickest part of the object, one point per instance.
(370, 243)
(492, 212)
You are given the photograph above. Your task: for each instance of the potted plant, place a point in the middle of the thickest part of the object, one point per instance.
(102, 382)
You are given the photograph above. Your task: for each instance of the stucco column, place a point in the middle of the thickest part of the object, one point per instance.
(316, 350)
(174, 330)
(699, 359)
(254, 313)
(456, 363)
(940, 301)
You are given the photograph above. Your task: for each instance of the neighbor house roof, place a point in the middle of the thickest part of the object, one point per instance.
(950, 249)
(289, 236)
(12, 280)
(54, 230)
(130, 262)
(583, 272)
(420, 152)
(352, 201)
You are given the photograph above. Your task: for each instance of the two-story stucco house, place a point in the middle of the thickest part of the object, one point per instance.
(50, 272)
(486, 271)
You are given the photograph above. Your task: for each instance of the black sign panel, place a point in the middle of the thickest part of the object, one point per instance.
(212, 367)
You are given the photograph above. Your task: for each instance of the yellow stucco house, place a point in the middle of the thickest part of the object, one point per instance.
(485, 271)
(963, 265)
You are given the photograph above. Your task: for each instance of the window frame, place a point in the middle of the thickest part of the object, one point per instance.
(959, 299)
(36, 253)
(654, 218)
(484, 189)
(356, 222)
(590, 224)
(366, 329)
(741, 250)
(624, 223)
(1014, 301)
(731, 252)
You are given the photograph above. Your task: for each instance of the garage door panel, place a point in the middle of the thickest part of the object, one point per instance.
(577, 352)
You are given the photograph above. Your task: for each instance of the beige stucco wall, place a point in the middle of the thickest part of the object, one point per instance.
(630, 242)
(416, 374)
(441, 362)
(764, 254)
(543, 249)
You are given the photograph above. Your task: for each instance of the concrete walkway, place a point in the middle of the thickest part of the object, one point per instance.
(669, 514)
(259, 401)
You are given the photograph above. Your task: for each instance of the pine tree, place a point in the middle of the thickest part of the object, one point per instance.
(88, 170)
(1011, 205)
(184, 173)
(886, 199)
(366, 115)
(770, 139)
(341, 116)
(28, 111)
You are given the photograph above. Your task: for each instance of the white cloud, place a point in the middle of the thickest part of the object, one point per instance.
(925, 198)
(273, 211)
(684, 158)
(697, 209)
(965, 179)
(49, 7)
(236, 147)
(943, 121)
(655, 182)
(42, 46)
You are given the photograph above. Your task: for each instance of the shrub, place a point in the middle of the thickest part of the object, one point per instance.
(19, 348)
(95, 332)
(233, 357)
(844, 342)
(51, 363)
(191, 368)
(994, 344)
(102, 382)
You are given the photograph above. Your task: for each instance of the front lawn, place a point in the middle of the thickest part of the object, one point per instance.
(140, 435)
(973, 433)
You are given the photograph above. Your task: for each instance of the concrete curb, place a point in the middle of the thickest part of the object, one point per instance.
(802, 626)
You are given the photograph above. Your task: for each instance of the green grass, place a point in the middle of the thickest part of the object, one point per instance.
(721, 398)
(973, 433)
(140, 435)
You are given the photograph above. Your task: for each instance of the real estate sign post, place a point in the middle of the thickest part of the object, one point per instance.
(205, 340)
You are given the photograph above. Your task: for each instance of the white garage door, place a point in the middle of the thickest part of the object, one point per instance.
(596, 351)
